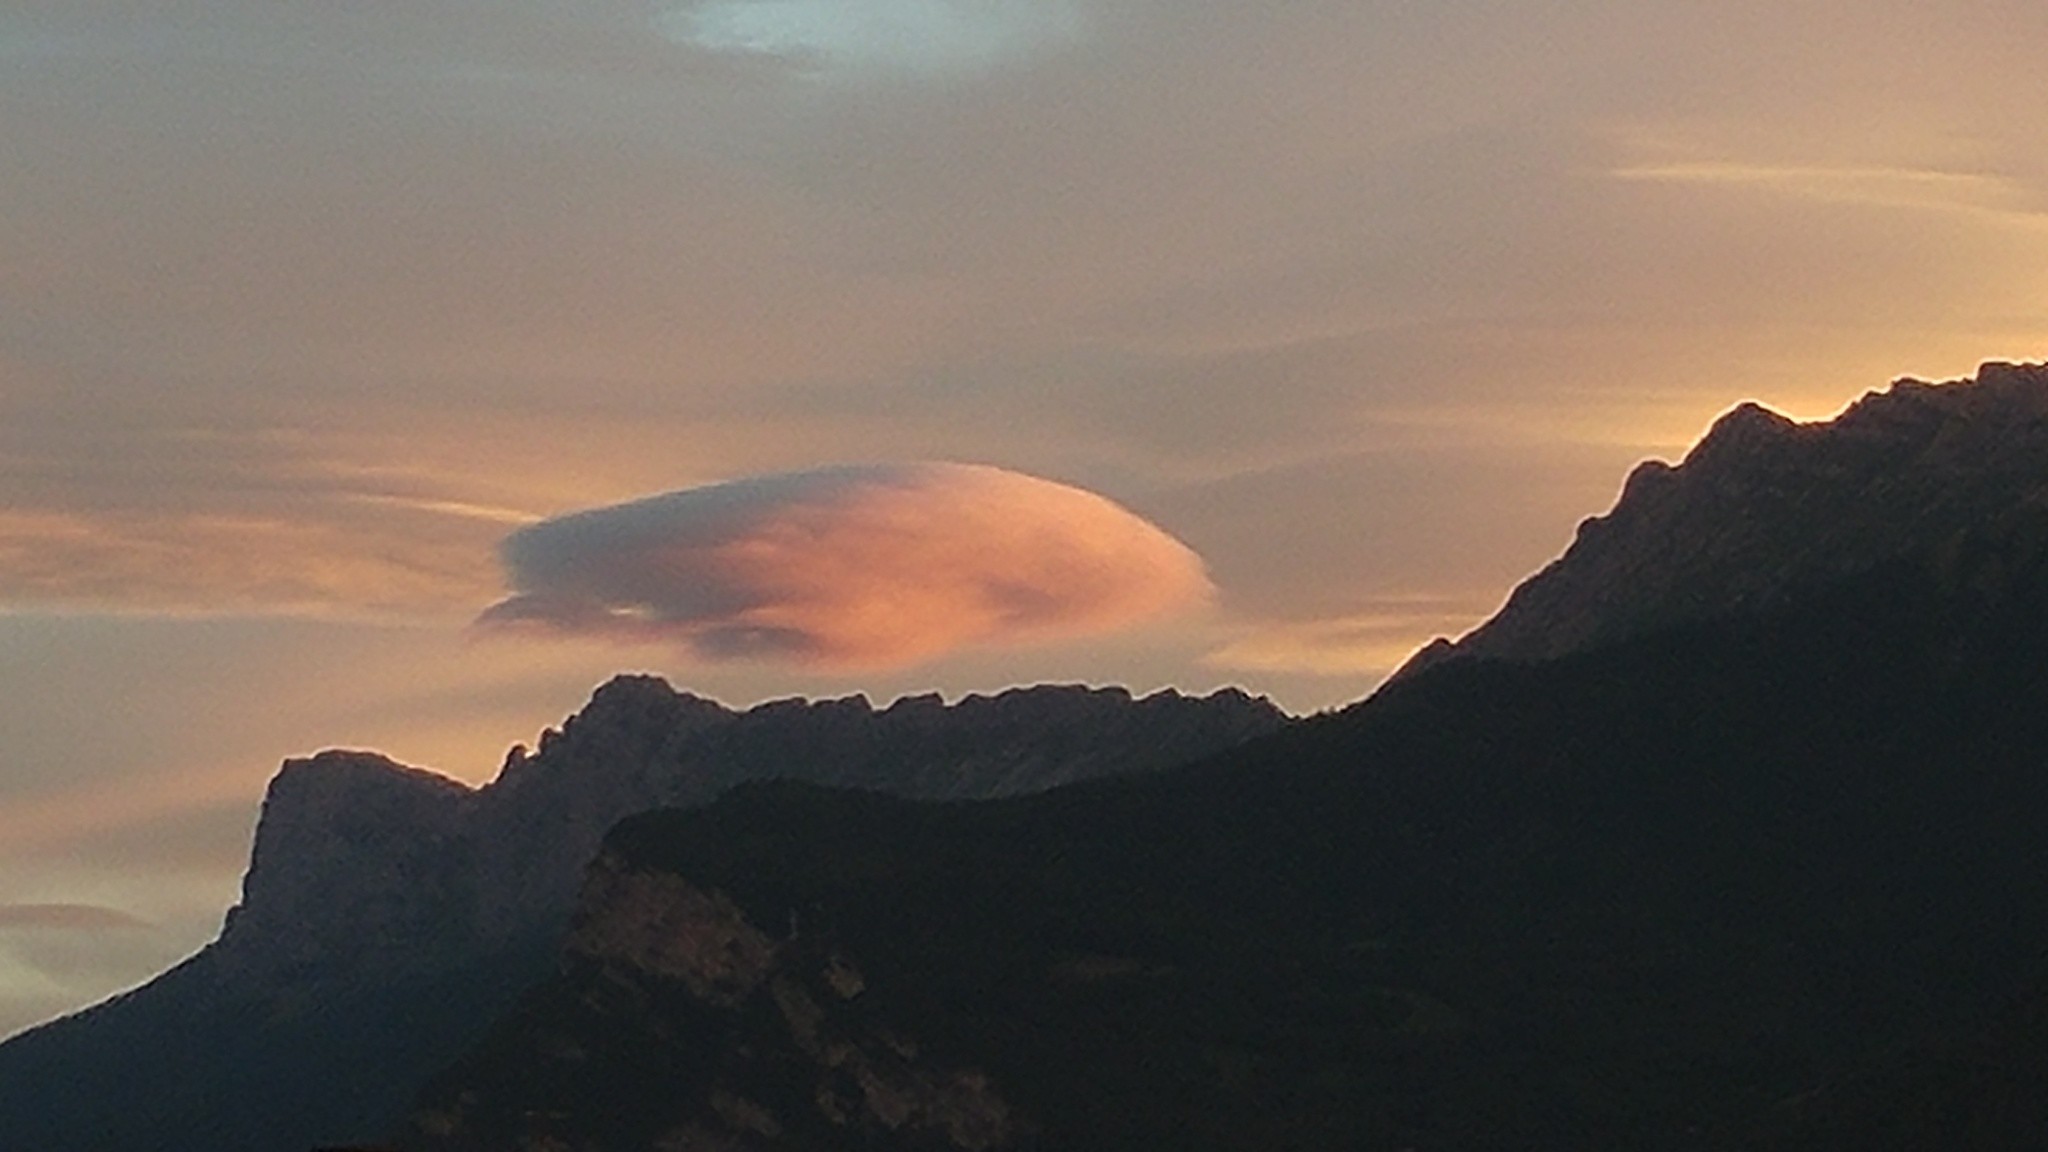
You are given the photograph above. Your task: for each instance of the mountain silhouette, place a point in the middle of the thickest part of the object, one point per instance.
(388, 913)
(1763, 508)
(1722, 834)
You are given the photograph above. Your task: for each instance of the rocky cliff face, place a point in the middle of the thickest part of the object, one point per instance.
(1764, 507)
(348, 868)
(389, 913)
(613, 1055)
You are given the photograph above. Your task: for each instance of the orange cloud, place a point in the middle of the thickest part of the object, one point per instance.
(854, 567)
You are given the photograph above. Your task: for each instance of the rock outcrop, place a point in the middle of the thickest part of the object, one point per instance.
(348, 869)
(1764, 507)
(613, 1053)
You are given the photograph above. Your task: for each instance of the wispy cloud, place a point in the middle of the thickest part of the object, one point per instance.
(1364, 644)
(1990, 198)
(876, 566)
(52, 956)
(883, 36)
(69, 918)
(295, 564)
(184, 521)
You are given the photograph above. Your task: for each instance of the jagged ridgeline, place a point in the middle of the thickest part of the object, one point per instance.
(1763, 509)
(1742, 850)
(388, 913)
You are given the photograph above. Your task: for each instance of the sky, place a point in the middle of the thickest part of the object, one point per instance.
(387, 375)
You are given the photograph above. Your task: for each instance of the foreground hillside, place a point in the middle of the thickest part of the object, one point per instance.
(1637, 898)
(389, 913)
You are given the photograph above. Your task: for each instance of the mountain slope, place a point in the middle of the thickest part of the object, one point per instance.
(1630, 898)
(389, 913)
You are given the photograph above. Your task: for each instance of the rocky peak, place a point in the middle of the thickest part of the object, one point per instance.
(1764, 505)
(1743, 436)
(627, 717)
(336, 868)
(640, 700)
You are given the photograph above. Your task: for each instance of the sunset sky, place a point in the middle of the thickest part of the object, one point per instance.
(1186, 343)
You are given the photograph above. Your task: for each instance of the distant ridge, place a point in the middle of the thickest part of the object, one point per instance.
(389, 912)
(1764, 506)
(362, 859)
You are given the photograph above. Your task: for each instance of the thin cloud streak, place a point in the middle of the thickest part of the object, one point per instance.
(832, 39)
(858, 567)
(188, 520)
(69, 918)
(1992, 199)
(1356, 646)
(214, 564)
(56, 955)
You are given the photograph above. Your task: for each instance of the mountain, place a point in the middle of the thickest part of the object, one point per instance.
(1748, 864)
(388, 913)
(1764, 507)
(1637, 898)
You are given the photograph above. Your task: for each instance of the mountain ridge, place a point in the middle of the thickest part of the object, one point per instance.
(389, 913)
(1764, 505)
(1639, 896)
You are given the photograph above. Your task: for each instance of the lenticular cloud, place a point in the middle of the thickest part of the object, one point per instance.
(849, 567)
